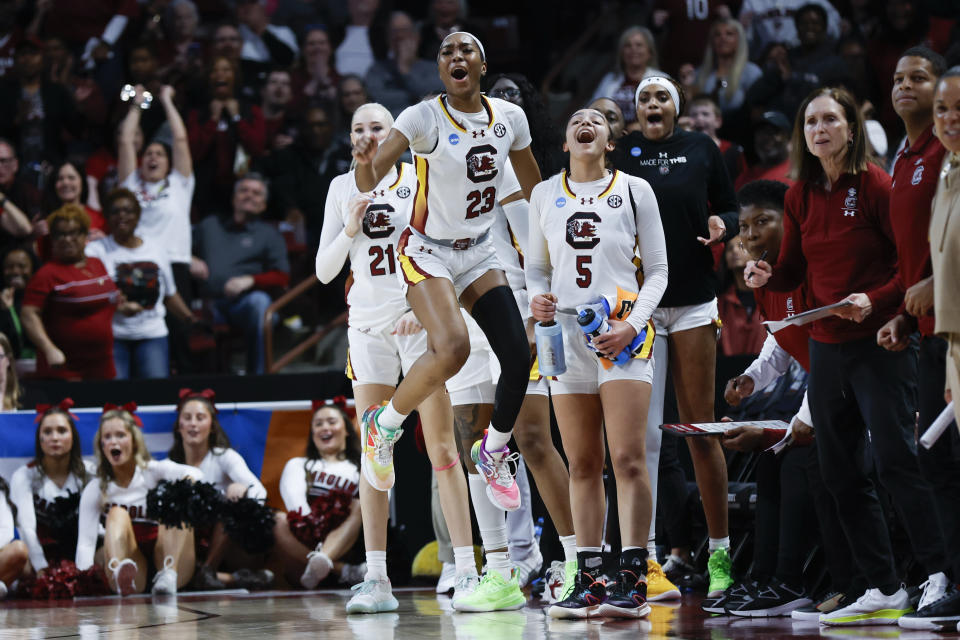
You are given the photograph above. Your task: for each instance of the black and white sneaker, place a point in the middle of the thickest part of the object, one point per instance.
(826, 604)
(942, 614)
(770, 600)
(736, 592)
(585, 600)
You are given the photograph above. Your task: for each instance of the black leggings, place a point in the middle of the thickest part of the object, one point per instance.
(497, 314)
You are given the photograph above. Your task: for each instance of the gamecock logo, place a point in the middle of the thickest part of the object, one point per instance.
(482, 163)
(376, 221)
(582, 230)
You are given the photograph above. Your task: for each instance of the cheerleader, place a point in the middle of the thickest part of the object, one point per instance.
(320, 493)
(460, 141)
(46, 491)
(14, 554)
(117, 499)
(585, 227)
(199, 441)
(384, 342)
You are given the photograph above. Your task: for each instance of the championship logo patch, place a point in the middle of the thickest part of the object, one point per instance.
(454, 139)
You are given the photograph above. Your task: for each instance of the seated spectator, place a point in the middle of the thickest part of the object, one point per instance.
(768, 21)
(225, 135)
(302, 172)
(705, 117)
(265, 45)
(325, 485)
(352, 93)
(69, 304)
(19, 200)
(9, 384)
(279, 122)
(141, 270)
(726, 73)
(636, 56)
(237, 258)
(402, 78)
(771, 148)
(315, 79)
(355, 55)
(17, 266)
(443, 18)
(35, 112)
(743, 331)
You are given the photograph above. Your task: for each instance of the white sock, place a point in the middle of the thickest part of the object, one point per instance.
(588, 549)
(652, 550)
(491, 521)
(465, 560)
(499, 561)
(496, 440)
(569, 544)
(719, 543)
(376, 566)
(390, 418)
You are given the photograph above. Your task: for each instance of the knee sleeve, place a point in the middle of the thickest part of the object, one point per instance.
(497, 315)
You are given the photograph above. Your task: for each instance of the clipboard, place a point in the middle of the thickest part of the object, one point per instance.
(714, 428)
(805, 317)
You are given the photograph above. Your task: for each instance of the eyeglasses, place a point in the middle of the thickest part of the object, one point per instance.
(118, 210)
(507, 93)
(58, 235)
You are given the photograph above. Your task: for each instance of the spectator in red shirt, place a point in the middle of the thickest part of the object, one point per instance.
(743, 331)
(68, 185)
(837, 238)
(69, 304)
(225, 135)
(281, 129)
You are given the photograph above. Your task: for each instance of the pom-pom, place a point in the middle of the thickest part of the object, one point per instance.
(249, 523)
(184, 503)
(327, 512)
(63, 581)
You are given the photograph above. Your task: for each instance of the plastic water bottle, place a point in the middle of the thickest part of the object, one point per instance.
(594, 325)
(550, 358)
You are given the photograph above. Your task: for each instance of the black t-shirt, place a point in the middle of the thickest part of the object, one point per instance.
(689, 178)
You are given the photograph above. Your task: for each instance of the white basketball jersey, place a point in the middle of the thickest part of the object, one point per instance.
(460, 180)
(374, 295)
(591, 234)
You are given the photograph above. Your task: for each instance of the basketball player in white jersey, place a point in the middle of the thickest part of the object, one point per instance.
(460, 141)
(385, 340)
(585, 228)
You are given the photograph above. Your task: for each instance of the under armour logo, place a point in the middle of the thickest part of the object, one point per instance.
(378, 194)
(586, 200)
(849, 213)
(663, 154)
(479, 134)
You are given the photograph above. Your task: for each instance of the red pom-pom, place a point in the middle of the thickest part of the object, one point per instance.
(327, 512)
(63, 581)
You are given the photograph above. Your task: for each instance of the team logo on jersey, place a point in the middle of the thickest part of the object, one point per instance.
(614, 201)
(582, 230)
(482, 163)
(635, 152)
(479, 133)
(664, 169)
(917, 175)
(499, 130)
(561, 202)
(403, 192)
(376, 221)
(454, 139)
(586, 200)
(850, 203)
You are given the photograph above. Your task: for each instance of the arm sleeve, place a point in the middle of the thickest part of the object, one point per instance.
(334, 243)
(293, 486)
(88, 524)
(517, 214)
(790, 270)
(238, 471)
(723, 199)
(22, 498)
(537, 266)
(418, 125)
(772, 363)
(6, 522)
(653, 253)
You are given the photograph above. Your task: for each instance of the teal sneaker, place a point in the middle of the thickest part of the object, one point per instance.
(494, 594)
(721, 577)
(373, 596)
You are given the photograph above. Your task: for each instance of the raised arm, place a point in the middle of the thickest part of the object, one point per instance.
(336, 237)
(127, 149)
(374, 160)
(182, 162)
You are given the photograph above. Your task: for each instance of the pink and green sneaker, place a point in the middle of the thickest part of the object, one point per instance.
(377, 461)
(495, 470)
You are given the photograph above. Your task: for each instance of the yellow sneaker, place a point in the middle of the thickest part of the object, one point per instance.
(658, 586)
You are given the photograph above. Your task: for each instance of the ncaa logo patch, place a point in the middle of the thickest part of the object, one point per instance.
(403, 192)
(614, 201)
(454, 139)
(499, 130)
(635, 152)
(561, 202)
